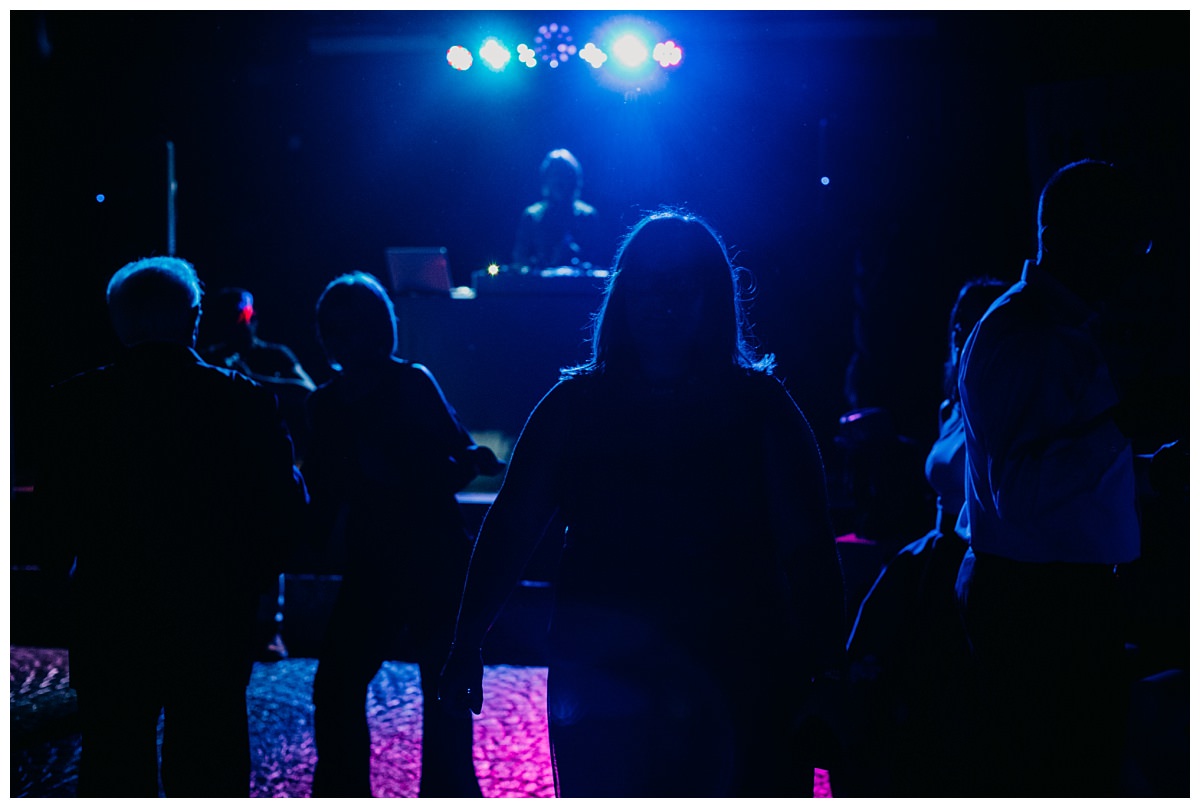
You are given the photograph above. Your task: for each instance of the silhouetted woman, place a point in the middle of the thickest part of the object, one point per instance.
(699, 593)
(908, 649)
(386, 456)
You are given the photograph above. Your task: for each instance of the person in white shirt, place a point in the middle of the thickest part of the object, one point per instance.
(1050, 499)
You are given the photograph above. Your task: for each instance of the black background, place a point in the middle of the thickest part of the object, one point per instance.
(307, 142)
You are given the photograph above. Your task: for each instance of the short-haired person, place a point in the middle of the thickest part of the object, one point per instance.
(386, 456)
(163, 484)
(1050, 498)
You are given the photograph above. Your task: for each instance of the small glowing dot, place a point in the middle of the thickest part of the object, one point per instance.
(493, 269)
(99, 197)
(824, 180)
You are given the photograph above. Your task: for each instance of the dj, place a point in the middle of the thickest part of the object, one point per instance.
(560, 230)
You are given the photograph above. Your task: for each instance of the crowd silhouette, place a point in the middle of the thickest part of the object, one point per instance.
(1026, 645)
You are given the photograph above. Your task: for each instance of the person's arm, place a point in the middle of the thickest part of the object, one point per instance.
(279, 492)
(525, 506)
(805, 540)
(465, 460)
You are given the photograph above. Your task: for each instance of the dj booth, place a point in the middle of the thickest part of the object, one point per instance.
(497, 347)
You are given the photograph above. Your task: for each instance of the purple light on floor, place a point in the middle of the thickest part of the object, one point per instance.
(512, 745)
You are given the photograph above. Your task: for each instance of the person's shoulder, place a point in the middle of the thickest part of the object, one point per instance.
(79, 388)
(1020, 319)
(764, 384)
(412, 372)
(213, 380)
(570, 394)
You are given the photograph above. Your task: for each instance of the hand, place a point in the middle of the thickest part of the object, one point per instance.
(461, 683)
(486, 461)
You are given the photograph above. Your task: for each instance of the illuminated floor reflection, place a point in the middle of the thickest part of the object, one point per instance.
(512, 752)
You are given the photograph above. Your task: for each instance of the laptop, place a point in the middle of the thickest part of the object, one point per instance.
(418, 270)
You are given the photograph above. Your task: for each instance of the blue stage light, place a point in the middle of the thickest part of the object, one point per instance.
(824, 180)
(630, 50)
(494, 54)
(638, 48)
(459, 57)
(99, 197)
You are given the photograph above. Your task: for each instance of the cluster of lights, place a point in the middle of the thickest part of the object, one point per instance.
(554, 45)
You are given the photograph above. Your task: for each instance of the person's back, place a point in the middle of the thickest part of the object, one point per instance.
(165, 482)
(168, 457)
(698, 608)
(1050, 498)
(388, 455)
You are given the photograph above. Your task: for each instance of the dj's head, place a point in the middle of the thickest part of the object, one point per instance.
(562, 177)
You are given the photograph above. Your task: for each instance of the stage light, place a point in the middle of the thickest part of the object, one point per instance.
(554, 44)
(824, 180)
(494, 54)
(668, 54)
(99, 197)
(593, 55)
(459, 57)
(526, 55)
(630, 50)
(493, 270)
(630, 40)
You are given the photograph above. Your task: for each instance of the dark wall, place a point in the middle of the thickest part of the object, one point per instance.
(302, 153)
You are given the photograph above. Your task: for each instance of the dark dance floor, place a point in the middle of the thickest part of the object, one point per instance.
(512, 754)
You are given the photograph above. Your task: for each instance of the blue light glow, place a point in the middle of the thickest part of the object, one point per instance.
(824, 180)
(630, 50)
(629, 39)
(99, 197)
(494, 54)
